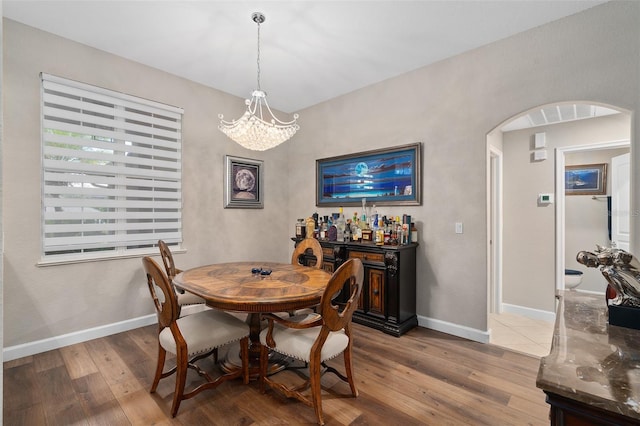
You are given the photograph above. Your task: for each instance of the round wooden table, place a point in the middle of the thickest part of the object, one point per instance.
(234, 287)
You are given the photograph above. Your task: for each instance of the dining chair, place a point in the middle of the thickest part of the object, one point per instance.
(301, 249)
(315, 339)
(184, 297)
(191, 338)
(306, 245)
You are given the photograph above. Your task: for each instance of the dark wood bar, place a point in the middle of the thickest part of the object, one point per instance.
(388, 301)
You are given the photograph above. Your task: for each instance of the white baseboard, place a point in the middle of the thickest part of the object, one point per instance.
(56, 342)
(32, 348)
(529, 312)
(601, 293)
(454, 329)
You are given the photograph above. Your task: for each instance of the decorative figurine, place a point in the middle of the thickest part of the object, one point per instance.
(620, 268)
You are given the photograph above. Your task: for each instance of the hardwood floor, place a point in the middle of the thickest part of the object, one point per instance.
(422, 378)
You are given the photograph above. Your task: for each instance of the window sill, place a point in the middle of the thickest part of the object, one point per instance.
(72, 259)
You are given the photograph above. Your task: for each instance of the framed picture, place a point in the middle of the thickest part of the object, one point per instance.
(389, 176)
(243, 183)
(587, 179)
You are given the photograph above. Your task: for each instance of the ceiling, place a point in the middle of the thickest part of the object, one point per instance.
(311, 51)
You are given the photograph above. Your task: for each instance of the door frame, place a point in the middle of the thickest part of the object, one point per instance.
(494, 229)
(616, 207)
(559, 198)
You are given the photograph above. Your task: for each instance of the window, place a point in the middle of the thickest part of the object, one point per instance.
(111, 172)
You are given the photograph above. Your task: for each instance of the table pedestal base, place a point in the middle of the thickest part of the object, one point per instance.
(232, 362)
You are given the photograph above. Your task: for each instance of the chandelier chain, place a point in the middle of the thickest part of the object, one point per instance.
(258, 60)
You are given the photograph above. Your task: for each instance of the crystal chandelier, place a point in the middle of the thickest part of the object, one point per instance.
(256, 130)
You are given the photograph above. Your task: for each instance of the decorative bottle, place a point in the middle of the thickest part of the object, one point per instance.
(311, 226)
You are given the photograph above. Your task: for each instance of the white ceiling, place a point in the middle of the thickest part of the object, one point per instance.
(311, 51)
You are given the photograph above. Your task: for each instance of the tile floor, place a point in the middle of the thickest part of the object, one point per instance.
(521, 334)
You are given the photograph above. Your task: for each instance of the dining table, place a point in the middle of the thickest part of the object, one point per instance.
(255, 288)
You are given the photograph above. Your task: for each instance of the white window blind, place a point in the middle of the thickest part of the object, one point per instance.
(111, 171)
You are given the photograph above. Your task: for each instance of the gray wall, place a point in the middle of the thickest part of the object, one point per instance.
(449, 106)
(529, 229)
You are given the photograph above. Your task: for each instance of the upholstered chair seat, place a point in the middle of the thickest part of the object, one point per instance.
(185, 298)
(205, 331)
(297, 343)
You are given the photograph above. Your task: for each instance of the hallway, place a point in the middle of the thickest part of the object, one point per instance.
(521, 334)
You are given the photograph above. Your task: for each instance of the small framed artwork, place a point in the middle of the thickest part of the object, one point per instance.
(388, 176)
(586, 179)
(243, 183)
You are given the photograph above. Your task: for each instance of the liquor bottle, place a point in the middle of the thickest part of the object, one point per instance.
(373, 217)
(399, 231)
(355, 230)
(322, 229)
(332, 233)
(387, 231)
(301, 229)
(379, 235)
(341, 224)
(406, 228)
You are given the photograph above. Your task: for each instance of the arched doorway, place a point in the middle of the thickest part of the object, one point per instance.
(523, 255)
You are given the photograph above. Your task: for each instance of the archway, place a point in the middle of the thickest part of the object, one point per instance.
(524, 268)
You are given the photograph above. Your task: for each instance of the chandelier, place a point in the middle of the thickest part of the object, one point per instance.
(256, 130)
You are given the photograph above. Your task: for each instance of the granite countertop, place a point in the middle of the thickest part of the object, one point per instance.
(591, 361)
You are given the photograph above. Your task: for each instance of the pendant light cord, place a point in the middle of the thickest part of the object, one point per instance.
(258, 61)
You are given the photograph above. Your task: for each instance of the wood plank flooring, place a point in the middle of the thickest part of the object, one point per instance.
(422, 378)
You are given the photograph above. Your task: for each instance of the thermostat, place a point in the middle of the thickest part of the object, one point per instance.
(545, 198)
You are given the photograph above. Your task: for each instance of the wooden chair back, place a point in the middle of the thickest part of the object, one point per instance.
(301, 249)
(167, 309)
(337, 317)
(167, 259)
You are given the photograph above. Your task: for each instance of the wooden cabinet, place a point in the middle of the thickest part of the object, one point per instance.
(372, 297)
(388, 300)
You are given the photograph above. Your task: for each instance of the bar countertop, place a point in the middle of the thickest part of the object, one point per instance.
(591, 361)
